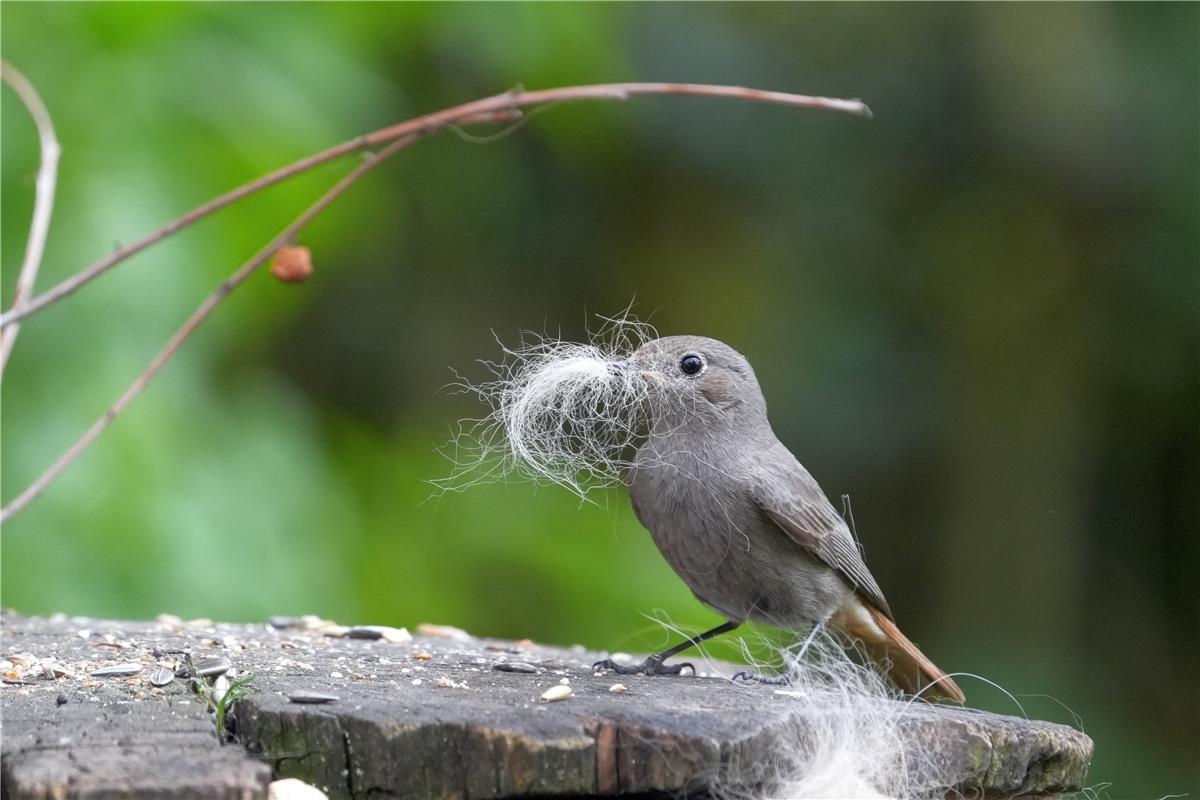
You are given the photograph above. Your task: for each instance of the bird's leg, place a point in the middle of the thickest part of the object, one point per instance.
(654, 664)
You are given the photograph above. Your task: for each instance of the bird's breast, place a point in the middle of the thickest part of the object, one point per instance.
(703, 523)
(708, 526)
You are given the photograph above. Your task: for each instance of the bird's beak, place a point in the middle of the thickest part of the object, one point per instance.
(627, 365)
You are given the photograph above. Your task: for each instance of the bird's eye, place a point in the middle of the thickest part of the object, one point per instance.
(691, 364)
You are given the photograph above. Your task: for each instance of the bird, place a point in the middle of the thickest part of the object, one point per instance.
(743, 523)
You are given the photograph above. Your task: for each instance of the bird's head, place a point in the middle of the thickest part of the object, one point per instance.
(699, 379)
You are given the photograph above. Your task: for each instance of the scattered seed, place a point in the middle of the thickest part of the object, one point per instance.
(515, 666)
(556, 693)
(22, 660)
(312, 698)
(396, 635)
(209, 667)
(286, 622)
(118, 670)
(422, 656)
(161, 676)
(365, 632)
(220, 687)
(52, 670)
(443, 632)
(61, 700)
(619, 688)
(565, 681)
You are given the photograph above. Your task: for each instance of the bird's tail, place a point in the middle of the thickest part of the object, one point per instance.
(883, 642)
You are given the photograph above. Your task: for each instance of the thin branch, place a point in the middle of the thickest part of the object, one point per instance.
(501, 106)
(193, 322)
(491, 109)
(43, 204)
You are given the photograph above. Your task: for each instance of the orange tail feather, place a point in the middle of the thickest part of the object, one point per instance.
(909, 668)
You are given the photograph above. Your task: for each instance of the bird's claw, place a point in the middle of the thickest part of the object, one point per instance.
(651, 666)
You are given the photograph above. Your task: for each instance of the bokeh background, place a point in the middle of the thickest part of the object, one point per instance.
(977, 314)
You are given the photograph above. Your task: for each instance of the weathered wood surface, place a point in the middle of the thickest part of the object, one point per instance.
(429, 718)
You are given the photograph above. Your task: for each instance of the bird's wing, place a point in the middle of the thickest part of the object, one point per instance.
(791, 498)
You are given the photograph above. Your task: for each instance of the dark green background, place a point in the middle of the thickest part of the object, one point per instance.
(977, 314)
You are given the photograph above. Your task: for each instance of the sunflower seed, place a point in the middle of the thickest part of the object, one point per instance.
(118, 670)
(515, 666)
(220, 687)
(385, 632)
(312, 698)
(209, 667)
(286, 622)
(161, 676)
(365, 632)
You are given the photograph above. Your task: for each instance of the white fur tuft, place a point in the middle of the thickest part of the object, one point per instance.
(560, 412)
(848, 741)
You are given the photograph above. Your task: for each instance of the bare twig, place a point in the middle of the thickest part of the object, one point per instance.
(501, 106)
(193, 322)
(43, 204)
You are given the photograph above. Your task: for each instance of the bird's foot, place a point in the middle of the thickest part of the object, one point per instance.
(746, 676)
(651, 666)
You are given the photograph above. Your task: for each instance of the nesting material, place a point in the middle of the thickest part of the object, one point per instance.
(560, 412)
(294, 789)
(853, 743)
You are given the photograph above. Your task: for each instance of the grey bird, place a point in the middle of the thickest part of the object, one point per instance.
(743, 523)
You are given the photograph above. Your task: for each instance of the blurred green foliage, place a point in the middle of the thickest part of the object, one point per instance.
(976, 313)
